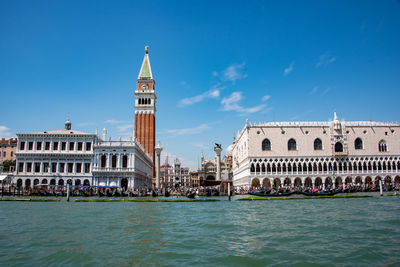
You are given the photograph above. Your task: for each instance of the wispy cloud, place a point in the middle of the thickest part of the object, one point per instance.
(288, 69)
(314, 90)
(231, 103)
(325, 59)
(265, 98)
(232, 73)
(186, 131)
(214, 92)
(124, 127)
(112, 121)
(298, 116)
(5, 132)
(328, 89)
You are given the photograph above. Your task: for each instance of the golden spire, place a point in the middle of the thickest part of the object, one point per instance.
(147, 49)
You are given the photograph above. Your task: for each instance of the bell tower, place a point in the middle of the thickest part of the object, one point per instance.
(145, 108)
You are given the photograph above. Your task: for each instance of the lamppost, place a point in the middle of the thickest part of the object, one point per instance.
(158, 150)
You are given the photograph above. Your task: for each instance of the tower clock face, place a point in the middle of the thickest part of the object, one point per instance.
(145, 86)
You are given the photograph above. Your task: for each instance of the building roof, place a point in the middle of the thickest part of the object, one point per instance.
(324, 124)
(61, 132)
(11, 141)
(145, 71)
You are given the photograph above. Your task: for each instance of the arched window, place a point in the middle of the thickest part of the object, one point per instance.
(317, 144)
(124, 161)
(140, 101)
(382, 146)
(252, 168)
(292, 144)
(114, 161)
(358, 143)
(338, 147)
(266, 145)
(103, 161)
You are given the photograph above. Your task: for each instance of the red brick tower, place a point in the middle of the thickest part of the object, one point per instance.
(145, 108)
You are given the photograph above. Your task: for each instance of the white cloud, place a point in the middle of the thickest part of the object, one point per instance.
(123, 128)
(265, 98)
(113, 121)
(288, 69)
(232, 103)
(314, 90)
(213, 93)
(325, 59)
(233, 72)
(5, 132)
(185, 131)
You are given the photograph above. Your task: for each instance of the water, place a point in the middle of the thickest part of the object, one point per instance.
(320, 232)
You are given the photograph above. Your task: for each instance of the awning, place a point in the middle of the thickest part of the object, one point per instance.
(3, 177)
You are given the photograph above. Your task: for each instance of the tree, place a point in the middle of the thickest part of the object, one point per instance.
(7, 164)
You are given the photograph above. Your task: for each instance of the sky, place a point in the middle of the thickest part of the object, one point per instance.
(215, 63)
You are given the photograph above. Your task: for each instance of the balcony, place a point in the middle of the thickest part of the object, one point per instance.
(110, 169)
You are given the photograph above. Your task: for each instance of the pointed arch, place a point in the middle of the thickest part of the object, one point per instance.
(358, 143)
(266, 145)
(317, 144)
(338, 147)
(382, 146)
(292, 145)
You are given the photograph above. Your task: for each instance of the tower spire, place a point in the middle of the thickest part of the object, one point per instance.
(145, 71)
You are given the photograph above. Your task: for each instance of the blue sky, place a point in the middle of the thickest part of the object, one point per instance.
(216, 64)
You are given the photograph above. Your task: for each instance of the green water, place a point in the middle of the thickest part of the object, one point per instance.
(320, 232)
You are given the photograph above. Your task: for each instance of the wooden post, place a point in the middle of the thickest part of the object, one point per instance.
(380, 187)
(67, 192)
(229, 191)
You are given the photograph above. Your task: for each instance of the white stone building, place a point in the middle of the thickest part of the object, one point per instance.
(316, 153)
(123, 164)
(55, 158)
(70, 157)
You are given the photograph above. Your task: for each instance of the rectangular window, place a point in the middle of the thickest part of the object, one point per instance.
(22, 146)
(12, 153)
(47, 146)
(63, 145)
(29, 167)
(38, 145)
(30, 146)
(4, 154)
(71, 146)
(79, 167)
(80, 146)
(61, 167)
(55, 146)
(54, 167)
(87, 167)
(88, 146)
(70, 167)
(46, 167)
(37, 166)
(21, 167)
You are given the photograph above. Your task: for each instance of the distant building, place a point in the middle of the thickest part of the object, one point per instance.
(177, 176)
(208, 170)
(8, 148)
(316, 153)
(194, 179)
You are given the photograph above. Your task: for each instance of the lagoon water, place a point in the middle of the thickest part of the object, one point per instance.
(324, 232)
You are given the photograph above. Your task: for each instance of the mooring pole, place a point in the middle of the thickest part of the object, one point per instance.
(380, 187)
(229, 191)
(67, 192)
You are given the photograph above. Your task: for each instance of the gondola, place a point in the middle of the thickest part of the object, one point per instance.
(190, 195)
(315, 194)
(167, 193)
(260, 194)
